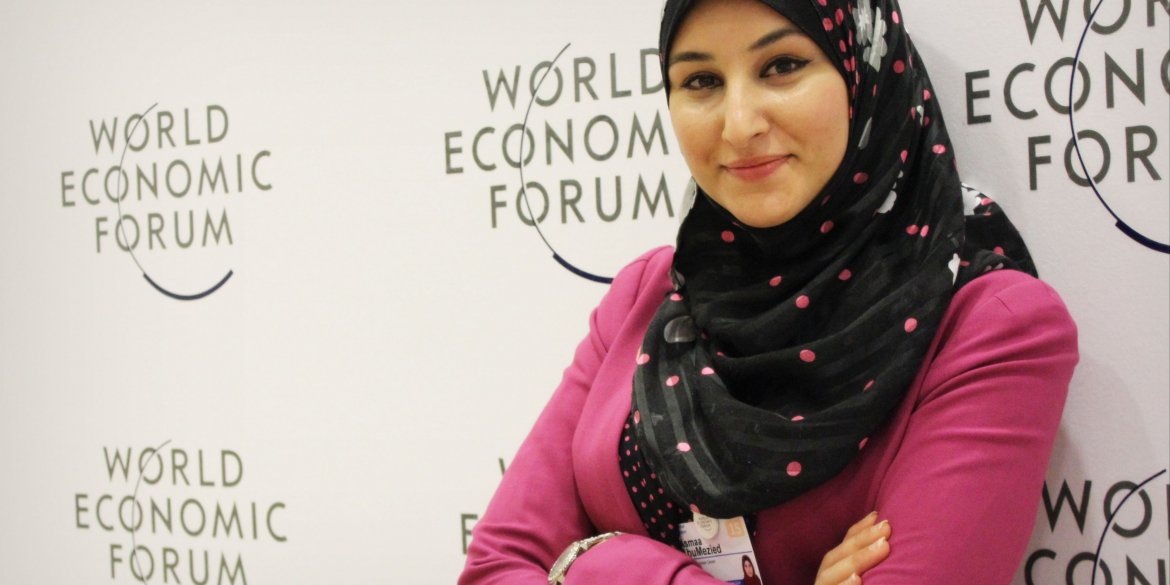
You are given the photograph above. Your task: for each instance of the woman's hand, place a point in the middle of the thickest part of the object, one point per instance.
(865, 545)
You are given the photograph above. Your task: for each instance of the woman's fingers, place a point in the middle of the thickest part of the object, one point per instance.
(865, 545)
(859, 536)
(869, 520)
(846, 570)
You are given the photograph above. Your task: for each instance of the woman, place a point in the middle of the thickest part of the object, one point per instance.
(842, 328)
(749, 572)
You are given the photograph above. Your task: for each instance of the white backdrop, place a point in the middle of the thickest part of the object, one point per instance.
(391, 326)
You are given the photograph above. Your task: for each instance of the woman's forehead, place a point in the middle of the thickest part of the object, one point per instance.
(733, 24)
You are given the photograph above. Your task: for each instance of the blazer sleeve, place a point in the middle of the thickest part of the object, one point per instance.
(537, 512)
(962, 491)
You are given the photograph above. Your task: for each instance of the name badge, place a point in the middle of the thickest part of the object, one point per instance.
(723, 548)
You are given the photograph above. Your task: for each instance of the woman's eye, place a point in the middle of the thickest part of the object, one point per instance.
(701, 81)
(784, 65)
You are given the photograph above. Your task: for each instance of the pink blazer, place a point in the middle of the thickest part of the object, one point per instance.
(957, 469)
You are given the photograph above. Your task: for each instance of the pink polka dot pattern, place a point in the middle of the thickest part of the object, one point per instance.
(672, 381)
(637, 416)
(939, 148)
(925, 230)
(869, 385)
(660, 517)
(776, 280)
(899, 66)
(860, 178)
(675, 297)
(912, 230)
(794, 469)
(845, 275)
(643, 359)
(807, 356)
(797, 418)
(727, 236)
(802, 302)
(861, 445)
(684, 447)
(910, 325)
(826, 227)
(707, 371)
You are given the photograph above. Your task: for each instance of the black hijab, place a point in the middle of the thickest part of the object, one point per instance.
(782, 349)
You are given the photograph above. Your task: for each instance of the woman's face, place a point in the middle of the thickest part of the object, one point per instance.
(748, 569)
(761, 113)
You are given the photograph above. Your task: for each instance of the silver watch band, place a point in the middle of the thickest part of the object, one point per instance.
(556, 575)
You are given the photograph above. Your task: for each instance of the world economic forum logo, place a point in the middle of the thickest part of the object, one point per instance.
(176, 514)
(159, 189)
(576, 149)
(1103, 102)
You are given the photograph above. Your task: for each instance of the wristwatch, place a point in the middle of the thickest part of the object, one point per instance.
(556, 575)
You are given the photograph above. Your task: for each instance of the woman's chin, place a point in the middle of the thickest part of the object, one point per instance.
(764, 215)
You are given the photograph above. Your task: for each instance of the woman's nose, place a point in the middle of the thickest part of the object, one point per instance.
(743, 115)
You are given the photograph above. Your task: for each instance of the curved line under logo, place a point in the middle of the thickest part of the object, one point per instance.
(1112, 515)
(122, 231)
(1121, 225)
(524, 186)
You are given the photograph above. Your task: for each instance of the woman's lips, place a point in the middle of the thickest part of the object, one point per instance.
(756, 168)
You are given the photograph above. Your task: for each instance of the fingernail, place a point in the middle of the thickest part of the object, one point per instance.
(880, 525)
(853, 579)
(878, 544)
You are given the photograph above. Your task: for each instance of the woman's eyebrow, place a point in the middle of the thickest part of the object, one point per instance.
(772, 37)
(764, 41)
(689, 56)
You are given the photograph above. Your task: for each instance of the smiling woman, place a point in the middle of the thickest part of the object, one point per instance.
(762, 125)
(842, 327)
